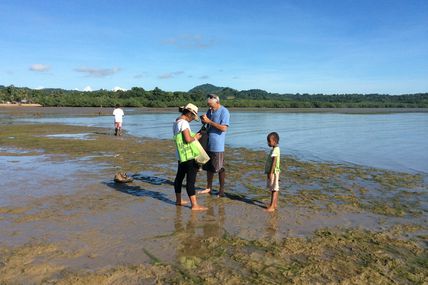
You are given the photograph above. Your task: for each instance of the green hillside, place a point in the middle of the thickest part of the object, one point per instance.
(255, 98)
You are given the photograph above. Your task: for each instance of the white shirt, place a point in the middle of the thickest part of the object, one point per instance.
(180, 126)
(118, 115)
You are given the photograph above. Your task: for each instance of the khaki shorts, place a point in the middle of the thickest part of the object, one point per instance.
(273, 184)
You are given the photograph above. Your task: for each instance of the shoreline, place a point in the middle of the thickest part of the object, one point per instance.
(106, 110)
(20, 105)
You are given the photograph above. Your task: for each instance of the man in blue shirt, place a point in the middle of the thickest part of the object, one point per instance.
(217, 119)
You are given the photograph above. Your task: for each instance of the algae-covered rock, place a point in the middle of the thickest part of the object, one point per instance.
(190, 262)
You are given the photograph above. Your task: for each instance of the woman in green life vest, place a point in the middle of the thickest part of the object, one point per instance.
(186, 153)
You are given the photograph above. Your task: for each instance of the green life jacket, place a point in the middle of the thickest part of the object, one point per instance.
(186, 151)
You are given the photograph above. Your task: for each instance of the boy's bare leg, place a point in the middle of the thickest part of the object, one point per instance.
(221, 179)
(210, 176)
(179, 201)
(274, 202)
(195, 205)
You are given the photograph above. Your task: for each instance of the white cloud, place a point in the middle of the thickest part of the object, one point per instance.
(87, 89)
(97, 72)
(38, 67)
(39, 87)
(170, 75)
(117, 88)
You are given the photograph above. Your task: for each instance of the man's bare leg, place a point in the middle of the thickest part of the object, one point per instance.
(210, 176)
(221, 179)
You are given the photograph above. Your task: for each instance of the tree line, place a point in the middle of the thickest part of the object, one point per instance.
(256, 98)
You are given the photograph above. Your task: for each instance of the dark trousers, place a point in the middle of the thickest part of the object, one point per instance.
(188, 169)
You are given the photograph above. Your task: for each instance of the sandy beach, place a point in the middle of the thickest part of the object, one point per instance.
(19, 105)
(64, 221)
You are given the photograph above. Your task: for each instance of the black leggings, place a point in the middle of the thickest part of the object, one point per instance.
(188, 169)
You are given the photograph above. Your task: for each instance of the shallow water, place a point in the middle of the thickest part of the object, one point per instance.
(26, 177)
(63, 220)
(389, 141)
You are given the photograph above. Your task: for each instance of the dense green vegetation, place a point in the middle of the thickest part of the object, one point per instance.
(138, 97)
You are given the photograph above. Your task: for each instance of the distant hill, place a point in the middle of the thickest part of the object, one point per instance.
(223, 92)
(230, 93)
(206, 89)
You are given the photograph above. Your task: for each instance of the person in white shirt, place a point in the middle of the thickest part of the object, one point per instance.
(118, 120)
(187, 166)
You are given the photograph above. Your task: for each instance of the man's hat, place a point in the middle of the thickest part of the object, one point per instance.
(213, 96)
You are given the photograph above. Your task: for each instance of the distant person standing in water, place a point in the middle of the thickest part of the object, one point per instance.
(118, 120)
(217, 120)
(272, 170)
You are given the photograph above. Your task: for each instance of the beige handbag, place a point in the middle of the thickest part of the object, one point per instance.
(203, 157)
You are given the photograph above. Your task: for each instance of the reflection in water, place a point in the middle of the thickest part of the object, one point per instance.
(193, 233)
(215, 228)
(272, 223)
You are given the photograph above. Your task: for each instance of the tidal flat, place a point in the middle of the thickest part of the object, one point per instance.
(64, 221)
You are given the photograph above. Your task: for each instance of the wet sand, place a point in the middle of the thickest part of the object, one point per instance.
(64, 221)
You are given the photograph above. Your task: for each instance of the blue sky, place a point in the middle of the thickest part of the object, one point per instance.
(290, 46)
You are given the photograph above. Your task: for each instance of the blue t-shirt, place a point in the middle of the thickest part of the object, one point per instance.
(216, 138)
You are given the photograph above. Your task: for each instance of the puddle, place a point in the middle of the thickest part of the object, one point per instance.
(82, 136)
(7, 151)
(38, 176)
